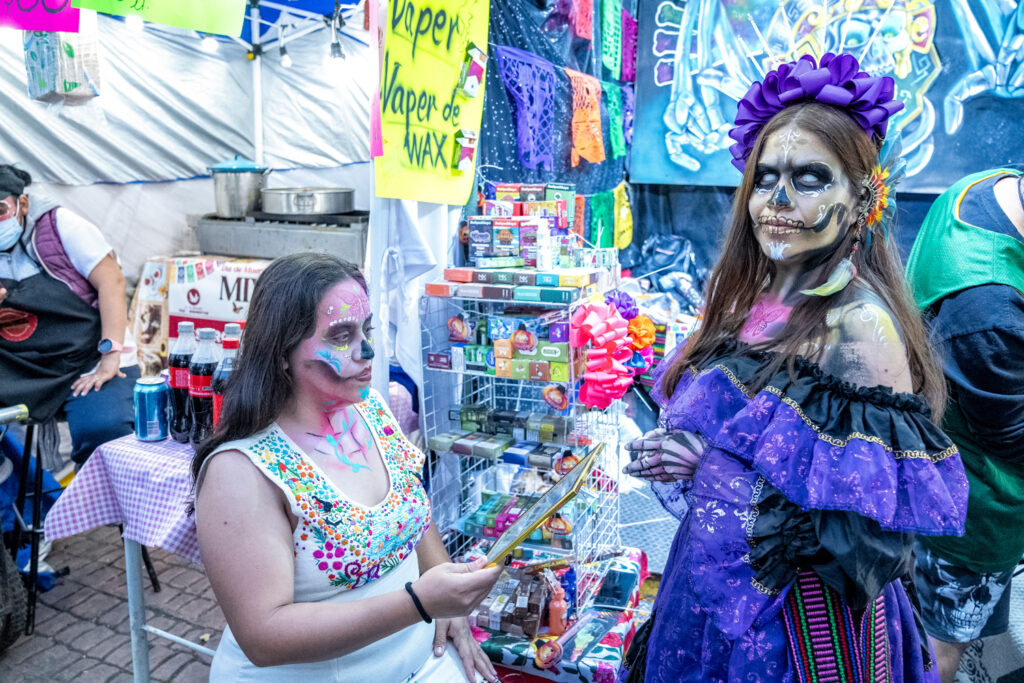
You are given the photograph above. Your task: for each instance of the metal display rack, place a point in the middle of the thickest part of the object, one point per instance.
(457, 483)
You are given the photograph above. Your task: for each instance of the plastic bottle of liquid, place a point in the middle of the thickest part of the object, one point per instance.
(200, 385)
(229, 345)
(557, 610)
(179, 360)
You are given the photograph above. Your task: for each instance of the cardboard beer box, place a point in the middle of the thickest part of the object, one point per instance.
(210, 292)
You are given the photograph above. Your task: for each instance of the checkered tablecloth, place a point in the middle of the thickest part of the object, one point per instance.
(144, 485)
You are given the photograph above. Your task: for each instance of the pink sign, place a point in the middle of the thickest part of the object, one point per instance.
(39, 15)
(376, 137)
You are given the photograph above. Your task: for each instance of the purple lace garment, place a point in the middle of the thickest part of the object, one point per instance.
(629, 29)
(628, 108)
(530, 80)
(715, 623)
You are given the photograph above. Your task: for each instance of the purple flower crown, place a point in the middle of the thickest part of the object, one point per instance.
(836, 80)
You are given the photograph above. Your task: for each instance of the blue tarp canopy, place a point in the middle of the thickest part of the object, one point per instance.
(295, 15)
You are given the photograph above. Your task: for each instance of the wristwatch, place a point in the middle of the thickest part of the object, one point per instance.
(109, 346)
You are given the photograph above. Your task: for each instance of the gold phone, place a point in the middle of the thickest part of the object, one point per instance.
(564, 490)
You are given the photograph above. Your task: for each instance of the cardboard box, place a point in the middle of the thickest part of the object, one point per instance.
(505, 237)
(559, 371)
(554, 351)
(482, 277)
(503, 367)
(527, 293)
(503, 348)
(531, 193)
(559, 295)
(439, 361)
(546, 279)
(503, 277)
(507, 192)
(524, 277)
(499, 292)
(520, 369)
(565, 192)
(558, 332)
(529, 354)
(577, 277)
(458, 274)
(540, 371)
(440, 289)
(494, 207)
(499, 262)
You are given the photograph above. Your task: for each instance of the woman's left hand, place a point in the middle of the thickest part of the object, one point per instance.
(109, 367)
(473, 658)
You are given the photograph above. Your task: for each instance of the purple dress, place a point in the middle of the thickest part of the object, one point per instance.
(846, 473)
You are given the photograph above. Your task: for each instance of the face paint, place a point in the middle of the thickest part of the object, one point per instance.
(333, 361)
(801, 200)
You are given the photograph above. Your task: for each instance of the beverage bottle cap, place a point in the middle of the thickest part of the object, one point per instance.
(232, 330)
(230, 343)
(207, 334)
(186, 328)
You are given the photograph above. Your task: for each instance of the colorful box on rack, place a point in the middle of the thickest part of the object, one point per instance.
(531, 193)
(503, 277)
(440, 289)
(503, 348)
(471, 291)
(527, 293)
(507, 192)
(559, 371)
(503, 367)
(559, 295)
(518, 452)
(520, 369)
(442, 443)
(528, 354)
(492, 447)
(558, 332)
(439, 361)
(465, 445)
(495, 207)
(498, 292)
(565, 192)
(458, 274)
(524, 277)
(540, 371)
(553, 351)
(577, 277)
(505, 237)
(483, 277)
(499, 262)
(459, 358)
(547, 279)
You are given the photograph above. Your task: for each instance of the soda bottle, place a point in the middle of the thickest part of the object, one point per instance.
(179, 360)
(200, 385)
(229, 344)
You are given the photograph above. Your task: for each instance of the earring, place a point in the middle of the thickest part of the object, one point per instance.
(845, 271)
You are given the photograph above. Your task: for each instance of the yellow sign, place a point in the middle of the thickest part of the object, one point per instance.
(429, 120)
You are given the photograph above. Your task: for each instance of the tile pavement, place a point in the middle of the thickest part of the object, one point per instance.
(82, 623)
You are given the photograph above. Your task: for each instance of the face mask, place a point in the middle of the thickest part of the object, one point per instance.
(10, 231)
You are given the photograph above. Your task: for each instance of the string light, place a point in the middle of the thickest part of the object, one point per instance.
(337, 23)
(286, 59)
(209, 44)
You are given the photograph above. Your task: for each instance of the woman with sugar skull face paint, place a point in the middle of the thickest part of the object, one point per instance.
(314, 525)
(797, 442)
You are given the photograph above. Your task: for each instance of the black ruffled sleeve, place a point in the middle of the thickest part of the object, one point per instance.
(851, 553)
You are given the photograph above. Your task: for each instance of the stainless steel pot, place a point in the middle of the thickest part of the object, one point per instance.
(237, 193)
(308, 200)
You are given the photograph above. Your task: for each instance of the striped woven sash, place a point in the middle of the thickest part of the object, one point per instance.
(828, 643)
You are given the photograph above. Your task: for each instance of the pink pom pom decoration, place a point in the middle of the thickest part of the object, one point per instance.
(607, 377)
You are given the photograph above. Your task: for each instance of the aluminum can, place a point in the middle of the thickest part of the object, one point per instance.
(151, 405)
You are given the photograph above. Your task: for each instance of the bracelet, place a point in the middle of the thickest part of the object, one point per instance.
(416, 601)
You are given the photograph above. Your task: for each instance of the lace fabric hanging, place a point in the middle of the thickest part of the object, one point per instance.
(530, 80)
(587, 141)
(582, 18)
(611, 37)
(628, 110)
(602, 220)
(629, 31)
(617, 138)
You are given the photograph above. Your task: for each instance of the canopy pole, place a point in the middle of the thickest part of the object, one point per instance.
(257, 81)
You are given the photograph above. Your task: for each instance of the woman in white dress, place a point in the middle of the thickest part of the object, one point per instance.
(314, 525)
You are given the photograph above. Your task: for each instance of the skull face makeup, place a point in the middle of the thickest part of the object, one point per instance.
(335, 361)
(802, 201)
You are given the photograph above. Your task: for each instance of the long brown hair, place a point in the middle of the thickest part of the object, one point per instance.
(282, 314)
(742, 269)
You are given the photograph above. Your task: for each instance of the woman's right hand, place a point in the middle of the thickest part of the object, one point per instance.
(455, 589)
(664, 456)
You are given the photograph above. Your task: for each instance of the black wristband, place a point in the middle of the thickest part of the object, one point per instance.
(416, 601)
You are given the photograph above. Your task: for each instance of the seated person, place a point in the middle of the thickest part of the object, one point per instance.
(314, 525)
(63, 319)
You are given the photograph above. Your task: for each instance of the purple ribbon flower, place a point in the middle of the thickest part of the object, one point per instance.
(624, 303)
(836, 80)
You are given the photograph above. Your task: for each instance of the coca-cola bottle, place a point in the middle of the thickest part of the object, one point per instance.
(179, 360)
(200, 385)
(229, 345)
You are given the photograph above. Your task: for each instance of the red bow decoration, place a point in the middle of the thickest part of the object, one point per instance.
(606, 377)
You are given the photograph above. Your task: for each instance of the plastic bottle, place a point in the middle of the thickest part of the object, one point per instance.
(200, 385)
(229, 345)
(557, 610)
(179, 360)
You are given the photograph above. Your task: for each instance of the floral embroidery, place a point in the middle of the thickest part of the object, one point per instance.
(352, 544)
